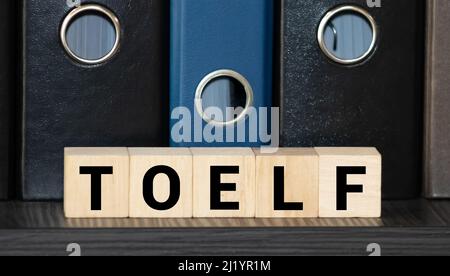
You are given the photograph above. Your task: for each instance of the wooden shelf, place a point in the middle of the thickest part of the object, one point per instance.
(411, 227)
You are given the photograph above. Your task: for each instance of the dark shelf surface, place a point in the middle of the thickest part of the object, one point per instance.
(413, 227)
(50, 215)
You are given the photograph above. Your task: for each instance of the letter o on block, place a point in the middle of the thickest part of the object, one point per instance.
(160, 183)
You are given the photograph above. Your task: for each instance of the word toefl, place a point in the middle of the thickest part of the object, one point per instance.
(222, 183)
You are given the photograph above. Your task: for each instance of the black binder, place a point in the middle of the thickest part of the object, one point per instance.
(8, 69)
(374, 101)
(72, 98)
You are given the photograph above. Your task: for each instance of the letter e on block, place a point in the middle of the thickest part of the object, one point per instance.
(349, 182)
(224, 182)
(96, 182)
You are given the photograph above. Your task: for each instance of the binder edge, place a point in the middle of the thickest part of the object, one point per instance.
(21, 102)
(432, 188)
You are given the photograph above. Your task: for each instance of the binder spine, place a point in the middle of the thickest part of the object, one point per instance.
(375, 102)
(219, 38)
(437, 101)
(102, 99)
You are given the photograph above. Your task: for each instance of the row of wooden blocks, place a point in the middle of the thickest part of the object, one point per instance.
(222, 182)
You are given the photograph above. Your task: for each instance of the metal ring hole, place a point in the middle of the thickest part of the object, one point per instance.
(224, 97)
(347, 35)
(90, 34)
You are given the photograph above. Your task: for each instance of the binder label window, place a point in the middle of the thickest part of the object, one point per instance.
(348, 35)
(90, 34)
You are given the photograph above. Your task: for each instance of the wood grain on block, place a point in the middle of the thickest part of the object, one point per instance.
(224, 182)
(84, 170)
(160, 183)
(287, 183)
(349, 182)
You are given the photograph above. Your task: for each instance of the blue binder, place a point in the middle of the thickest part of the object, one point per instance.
(220, 48)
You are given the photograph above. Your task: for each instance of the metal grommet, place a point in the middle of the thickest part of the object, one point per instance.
(90, 8)
(326, 21)
(217, 74)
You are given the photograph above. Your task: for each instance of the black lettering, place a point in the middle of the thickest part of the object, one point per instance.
(96, 184)
(279, 200)
(175, 188)
(217, 187)
(342, 186)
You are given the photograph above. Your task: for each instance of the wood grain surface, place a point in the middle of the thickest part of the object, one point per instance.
(414, 227)
(227, 242)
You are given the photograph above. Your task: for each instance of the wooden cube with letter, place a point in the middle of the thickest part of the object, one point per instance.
(224, 182)
(160, 183)
(287, 183)
(96, 182)
(349, 182)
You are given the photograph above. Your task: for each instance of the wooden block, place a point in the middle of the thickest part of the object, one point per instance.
(96, 182)
(287, 183)
(168, 178)
(357, 173)
(224, 182)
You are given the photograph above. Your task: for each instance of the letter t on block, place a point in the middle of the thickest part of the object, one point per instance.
(96, 182)
(349, 182)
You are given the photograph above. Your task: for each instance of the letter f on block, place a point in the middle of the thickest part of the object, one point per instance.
(342, 185)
